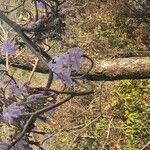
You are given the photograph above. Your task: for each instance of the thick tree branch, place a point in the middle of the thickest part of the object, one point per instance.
(122, 68)
(43, 56)
(107, 69)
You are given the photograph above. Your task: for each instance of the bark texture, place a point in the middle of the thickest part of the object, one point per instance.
(105, 69)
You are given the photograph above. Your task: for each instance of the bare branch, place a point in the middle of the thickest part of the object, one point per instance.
(107, 69)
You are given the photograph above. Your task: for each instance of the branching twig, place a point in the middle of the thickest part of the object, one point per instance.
(24, 130)
(9, 11)
(43, 56)
(34, 67)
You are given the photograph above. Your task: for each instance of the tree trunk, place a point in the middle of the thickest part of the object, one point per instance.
(105, 69)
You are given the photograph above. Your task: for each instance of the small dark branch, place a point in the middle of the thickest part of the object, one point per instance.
(50, 107)
(31, 120)
(50, 78)
(7, 74)
(25, 129)
(88, 71)
(36, 10)
(50, 27)
(9, 11)
(45, 3)
(38, 132)
(43, 56)
(45, 139)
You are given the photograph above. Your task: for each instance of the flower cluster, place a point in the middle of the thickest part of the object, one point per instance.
(21, 145)
(39, 4)
(63, 64)
(4, 146)
(11, 112)
(8, 47)
(13, 89)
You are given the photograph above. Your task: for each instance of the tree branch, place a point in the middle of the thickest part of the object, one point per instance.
(106, 69)
(43, 56)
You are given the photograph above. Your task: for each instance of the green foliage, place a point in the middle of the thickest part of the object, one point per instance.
(137, 113)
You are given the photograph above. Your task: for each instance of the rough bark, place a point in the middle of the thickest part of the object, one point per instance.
(105, 69)
(25, 62)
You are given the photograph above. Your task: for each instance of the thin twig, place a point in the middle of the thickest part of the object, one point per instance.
(24, 130)
(9, 11)
(34, 67)
(34, 115)
(148, 143)
(108, 134)
(83, 128)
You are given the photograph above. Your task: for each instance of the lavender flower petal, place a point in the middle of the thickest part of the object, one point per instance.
(11, 112)
(62, 64)
(40, 5)
(25, 88)
(4, 146)
(8, 48)
(35, 97)
(75, 58)
(13, 90)
(22, 144)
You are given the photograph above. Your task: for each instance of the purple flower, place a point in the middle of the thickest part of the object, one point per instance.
(13, 89)
(59, 66)
(75, 58)
(62, 64)
(38, 120)
(56, 64)
(35, 97)
(11, 112)
(39, 5)
(4, 146)
(8, 47)
(65, 76)
(22, 144)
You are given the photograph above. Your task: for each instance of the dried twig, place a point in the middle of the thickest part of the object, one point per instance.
(33, 70)
(108, 134)
(9, 11)
(145, 146)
